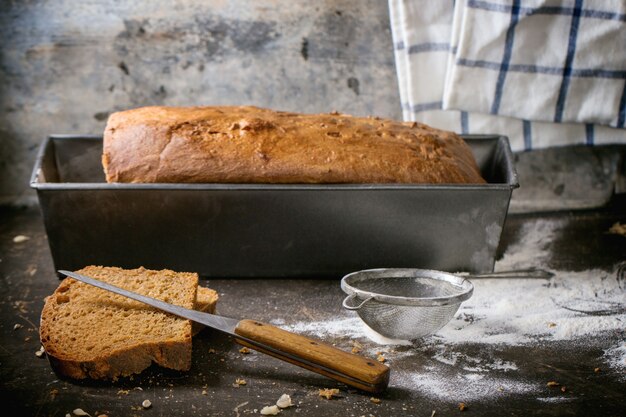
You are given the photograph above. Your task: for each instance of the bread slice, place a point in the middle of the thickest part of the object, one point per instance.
(90, 332)
(206, 301)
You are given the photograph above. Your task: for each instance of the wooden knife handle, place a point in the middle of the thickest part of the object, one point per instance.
(357, 371)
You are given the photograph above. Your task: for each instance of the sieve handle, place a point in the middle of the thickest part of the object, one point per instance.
(519, 273)
(350, 298)
(314, 355)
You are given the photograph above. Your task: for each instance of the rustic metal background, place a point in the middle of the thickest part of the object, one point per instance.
(65, 65)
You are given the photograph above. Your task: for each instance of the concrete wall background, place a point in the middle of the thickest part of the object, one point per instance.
(66, 64)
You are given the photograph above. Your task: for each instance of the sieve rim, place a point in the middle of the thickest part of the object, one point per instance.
(464, 286)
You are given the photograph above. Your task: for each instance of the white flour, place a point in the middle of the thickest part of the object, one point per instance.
(463, 387)
(470, 363)
(511, 312)
(616, 358)
(517, 312)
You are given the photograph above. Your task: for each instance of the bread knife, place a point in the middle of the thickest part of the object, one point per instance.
(351, 369)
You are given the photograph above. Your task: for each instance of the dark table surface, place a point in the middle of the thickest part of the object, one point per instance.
(29, 387)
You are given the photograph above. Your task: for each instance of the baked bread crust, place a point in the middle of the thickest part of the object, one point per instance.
(90, 332)
(254, 145)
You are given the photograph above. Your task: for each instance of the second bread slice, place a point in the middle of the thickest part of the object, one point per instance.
(206, 301)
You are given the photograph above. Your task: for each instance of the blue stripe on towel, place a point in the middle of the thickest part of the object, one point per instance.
(589, 133)
(600, 14)
(506, 58)
(546, 10)
(479, 64)
(598, 73)
(492, 7)
(530, 69)
(420, 107)
(567, 70)
(464, 122)
(429, 47)
(621, 117)
(528, 140)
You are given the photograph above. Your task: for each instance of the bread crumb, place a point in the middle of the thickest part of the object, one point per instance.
(270, 410)
(597, 370)
(244, 350)
(329, 393)
(375, 400)
(618, 229)
(462, 407)
(80, 412)
(550, 324)
(146, 404)
(20, 239)
(284, 401)
(563, 389)
(21, 306)
(212, 351)
(381, 359)
(53, 394)
(553, 384)
(27, 338)
(40, 354)
(123, 392)
(355, 349)
(17, 326)
(238, 382)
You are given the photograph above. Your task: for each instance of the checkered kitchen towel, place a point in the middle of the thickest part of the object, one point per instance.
(545, 73)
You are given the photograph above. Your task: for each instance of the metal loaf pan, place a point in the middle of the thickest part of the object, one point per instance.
(251, 230)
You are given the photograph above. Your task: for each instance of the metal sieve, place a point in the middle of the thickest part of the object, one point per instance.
(405, 303)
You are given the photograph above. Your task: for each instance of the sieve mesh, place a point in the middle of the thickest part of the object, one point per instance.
(405, 303)
(405, 322)
(422, 287)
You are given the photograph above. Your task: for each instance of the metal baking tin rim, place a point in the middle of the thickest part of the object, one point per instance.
(36, 183)
(466, 287)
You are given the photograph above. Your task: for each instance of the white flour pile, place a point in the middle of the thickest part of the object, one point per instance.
(516, 312)
(463, 387)
(511, 312)
(616, 357)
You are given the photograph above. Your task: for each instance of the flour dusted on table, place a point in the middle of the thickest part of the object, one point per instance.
(571, 306)
(616, 357)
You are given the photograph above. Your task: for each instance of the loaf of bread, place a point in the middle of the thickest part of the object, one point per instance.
(254, 145)
(88, 332)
